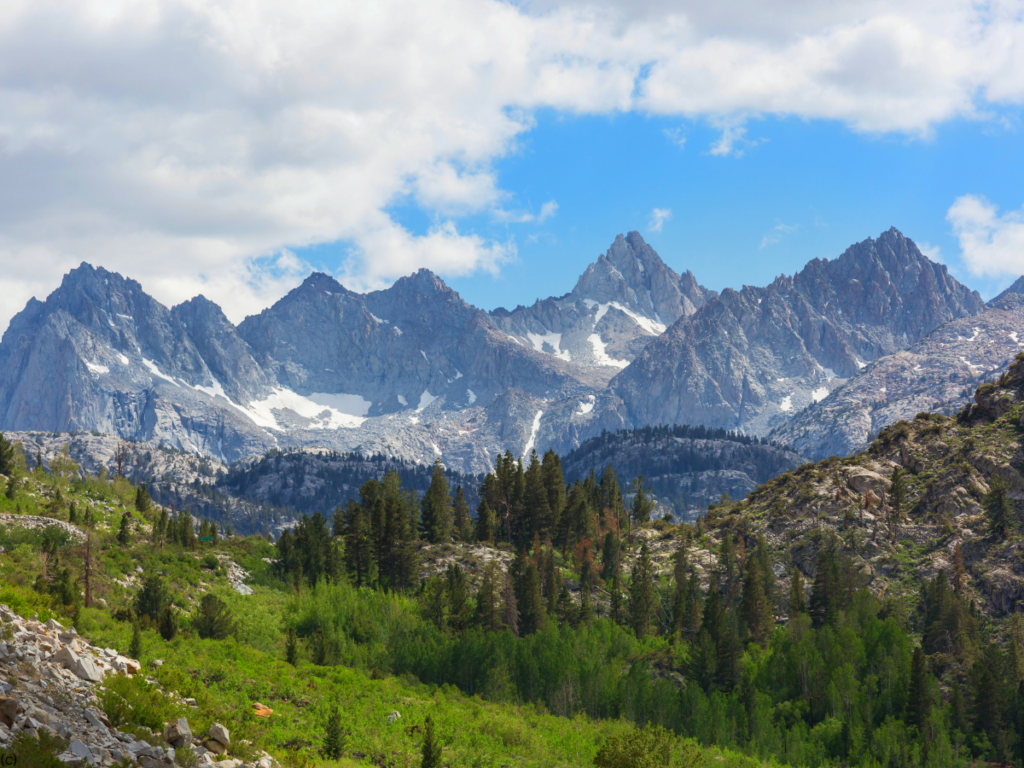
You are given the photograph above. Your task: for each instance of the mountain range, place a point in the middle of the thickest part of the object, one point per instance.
(415, 372)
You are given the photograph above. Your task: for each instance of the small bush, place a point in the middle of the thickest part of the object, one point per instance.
(38, 752)
(131, 701)
(211, 562)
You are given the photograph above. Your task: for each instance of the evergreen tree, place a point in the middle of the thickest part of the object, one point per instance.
(554, 481)
(957, 710)
(610, 557)
(615, 607)
(334, 737)
(529, 600)
(550, 582)
(681, 597)
(431, 747)
(537, 512)
(168, 624)
(610, 505)
(764, 563)
(510, 613)
(488, 599)
(73, 513)
(797, 596)
(135, 647)
(143, 502)
(291, 647)
(703, 663)
(7, 461)
(824, 603)
(484, 523)
(642, 505)
(463, 523)
(999, 506)
(757, 613)
(918, 701)
(152, 597)
(124, 531)
(642, 596)
(355, 526)
(586, 573)
(457, 593)
(959, 575)
(212, 619)
(436, 514)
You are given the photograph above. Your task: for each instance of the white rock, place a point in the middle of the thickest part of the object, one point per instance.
(219, 733)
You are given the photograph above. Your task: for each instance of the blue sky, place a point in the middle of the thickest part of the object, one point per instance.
(800, 190)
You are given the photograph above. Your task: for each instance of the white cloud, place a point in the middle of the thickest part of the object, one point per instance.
(549, 209)
(657, 218)
(775, 236)
(933, 252)
(676, 136)
(188, 143)
(991, 244)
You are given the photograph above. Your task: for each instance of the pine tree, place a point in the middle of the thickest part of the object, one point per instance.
(642, 505)
(610, 557)
(142, 499)
(510, 614)
(6, 457)
(487, 599)
(124, 531)
(135, 647)
(463, 523)
(554, 481)
(957, 710)
(797, 596)
(73, 513)
(291, 647)
(824, 603)
(152, 597)
(586, 565)
(529, 600)
(484, 523)
(612, 510)
(918, 701)
(999, 506)
(615, 607)
(355, 526)
(457, 593)
(537, 512)
(756, 611)
(436, 514)
(642, 596)
(431, 746)
(168, 624)
(334, 737)
(550, 582)
(703, 664)
(212, 619)
(681, 598)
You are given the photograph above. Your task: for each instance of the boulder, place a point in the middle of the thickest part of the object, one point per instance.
(862, 480)
(177, 733)
(215, 746)
(219, 733)
(83, 666)
(8, 711)
(78, 749)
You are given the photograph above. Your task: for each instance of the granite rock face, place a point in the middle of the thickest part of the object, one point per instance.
(415, 372)
(622, 301)
(939, 374)
(751, 359)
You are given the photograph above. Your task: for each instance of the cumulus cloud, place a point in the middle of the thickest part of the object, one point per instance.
(657, 218)
(194, 143)
(991, 244)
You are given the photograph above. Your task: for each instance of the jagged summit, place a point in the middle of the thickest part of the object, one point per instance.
(1016, 288)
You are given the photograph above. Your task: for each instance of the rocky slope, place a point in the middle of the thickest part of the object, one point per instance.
(950, 464)
(750, 359)
(938, 374)
(415, 372)
(51, 680)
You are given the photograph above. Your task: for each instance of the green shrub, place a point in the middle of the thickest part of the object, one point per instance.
(38, 752)
(211, 562)
(131, 701)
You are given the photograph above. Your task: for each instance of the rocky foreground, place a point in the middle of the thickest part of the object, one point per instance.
(51, 678)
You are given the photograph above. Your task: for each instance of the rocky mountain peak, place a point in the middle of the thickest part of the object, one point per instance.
(1016, 288)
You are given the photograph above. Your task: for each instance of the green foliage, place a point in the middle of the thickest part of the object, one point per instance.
(152, 598)
(129, 701)
(999, 506)
(135, 648)
(212, 619)
(168, 624)
(124, 531)
(649, 747)
(39, 751)
(431, 750)
(6, 457)
(334, 736)
(436, 515)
